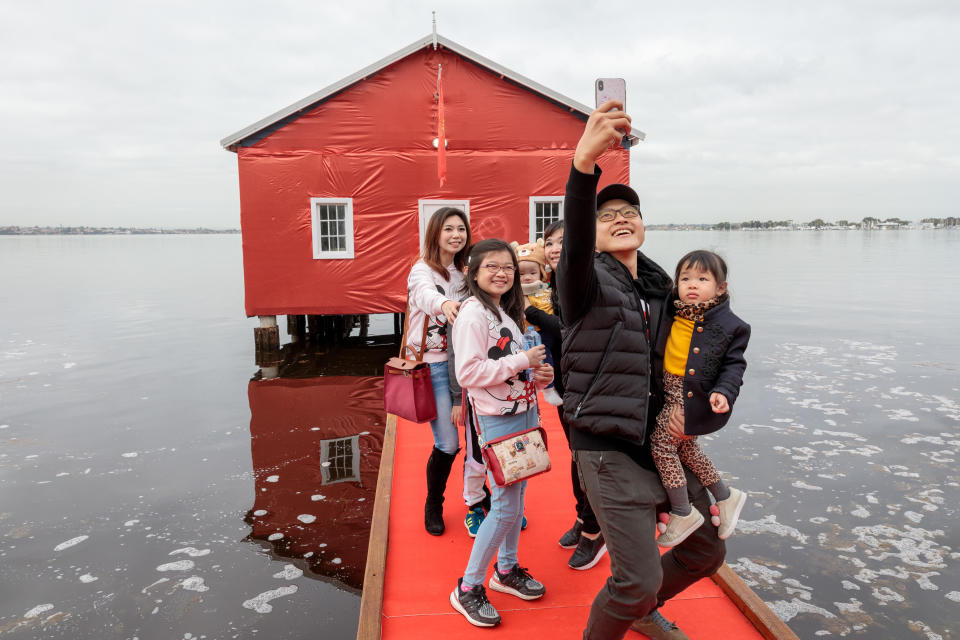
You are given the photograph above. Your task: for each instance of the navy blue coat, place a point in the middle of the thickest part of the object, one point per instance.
(715, 362)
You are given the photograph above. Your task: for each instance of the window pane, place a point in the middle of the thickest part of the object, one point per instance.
(324, 243)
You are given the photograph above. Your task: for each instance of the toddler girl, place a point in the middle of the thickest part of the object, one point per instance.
(703, 371)
(533, 274)
(492, 367)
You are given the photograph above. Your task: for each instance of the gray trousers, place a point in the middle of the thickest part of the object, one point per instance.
(625, 497)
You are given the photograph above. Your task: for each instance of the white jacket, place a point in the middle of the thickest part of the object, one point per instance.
(490, 362)
(426, 293)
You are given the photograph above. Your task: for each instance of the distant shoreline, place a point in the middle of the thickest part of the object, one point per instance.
(137, 231)
(107, 231)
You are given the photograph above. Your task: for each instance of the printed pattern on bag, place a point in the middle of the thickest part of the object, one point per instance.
(518, 457)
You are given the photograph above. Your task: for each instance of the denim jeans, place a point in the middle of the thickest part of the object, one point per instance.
(445, 436)
(500, 532)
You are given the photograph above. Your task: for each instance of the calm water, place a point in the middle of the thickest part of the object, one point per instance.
(150, 488)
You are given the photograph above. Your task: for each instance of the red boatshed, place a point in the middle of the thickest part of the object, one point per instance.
(335, 190)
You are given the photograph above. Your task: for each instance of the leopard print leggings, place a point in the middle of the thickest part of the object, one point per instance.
(668, 452)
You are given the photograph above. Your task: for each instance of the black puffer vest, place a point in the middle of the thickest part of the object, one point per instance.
(611, 374)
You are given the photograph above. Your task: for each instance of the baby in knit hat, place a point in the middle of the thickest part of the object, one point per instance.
(532, 264)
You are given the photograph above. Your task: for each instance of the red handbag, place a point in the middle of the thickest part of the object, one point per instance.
(407, 388)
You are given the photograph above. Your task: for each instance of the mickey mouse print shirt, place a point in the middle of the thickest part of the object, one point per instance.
(490, 361)
(426, 293)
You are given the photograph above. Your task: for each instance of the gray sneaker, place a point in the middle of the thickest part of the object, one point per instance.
(517, 582)
(656, 627)
(474, 606)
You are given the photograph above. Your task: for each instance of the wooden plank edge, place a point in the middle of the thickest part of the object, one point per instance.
(371, 602)
(749, 603)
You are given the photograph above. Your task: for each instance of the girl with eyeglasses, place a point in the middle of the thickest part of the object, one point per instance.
(493, 368)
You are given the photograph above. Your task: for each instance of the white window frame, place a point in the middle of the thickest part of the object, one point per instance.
(534, 200)
(353, 442)
(340, 254)
(424, 220)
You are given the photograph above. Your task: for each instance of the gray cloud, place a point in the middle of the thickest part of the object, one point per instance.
(111, 112)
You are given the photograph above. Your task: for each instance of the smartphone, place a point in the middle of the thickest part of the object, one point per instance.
(611, 89)
(614, 89)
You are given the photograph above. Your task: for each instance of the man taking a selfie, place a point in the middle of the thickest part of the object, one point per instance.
(616, 311)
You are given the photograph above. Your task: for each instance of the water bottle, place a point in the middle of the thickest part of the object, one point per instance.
(530, 339)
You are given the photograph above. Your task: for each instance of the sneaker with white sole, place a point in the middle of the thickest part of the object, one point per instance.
(588, 553)
(679, 528)
(730, 512)
(656, 627)
(517, 582)
(473, 521)
(474, 606)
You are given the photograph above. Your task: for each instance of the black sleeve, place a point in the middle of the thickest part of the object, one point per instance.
(547, 322)
(734, 364)
(576, 280)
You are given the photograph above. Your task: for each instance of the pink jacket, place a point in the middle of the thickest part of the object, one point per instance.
(426, 292)
(491, 364)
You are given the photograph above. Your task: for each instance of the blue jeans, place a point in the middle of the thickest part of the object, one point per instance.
(500, 532)
(445, 435)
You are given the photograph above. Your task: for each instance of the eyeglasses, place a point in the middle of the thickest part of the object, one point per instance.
(609, 215)
(493, 267)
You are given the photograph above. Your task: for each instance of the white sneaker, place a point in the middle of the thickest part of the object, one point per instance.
(730, 512)
(552, 397)
(679, 528)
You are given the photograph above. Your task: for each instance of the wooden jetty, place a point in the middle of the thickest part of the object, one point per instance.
(409, 573)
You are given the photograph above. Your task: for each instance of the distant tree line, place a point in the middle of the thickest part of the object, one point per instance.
(868, 222)
(942, 222)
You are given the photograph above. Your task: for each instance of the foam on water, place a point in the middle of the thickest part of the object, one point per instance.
(289, 572)
(769, 524)
(190, 551)
(69, 543)
(180, 565)
(260, 603)
(194, 583)
(37, 610)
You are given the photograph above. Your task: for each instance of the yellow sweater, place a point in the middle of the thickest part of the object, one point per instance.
(540, 300)
(678, 346)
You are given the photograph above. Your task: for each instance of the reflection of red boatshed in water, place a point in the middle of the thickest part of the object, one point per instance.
(316, 446)
(334, 188)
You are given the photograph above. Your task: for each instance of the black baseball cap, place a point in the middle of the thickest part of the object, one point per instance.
(617, 192)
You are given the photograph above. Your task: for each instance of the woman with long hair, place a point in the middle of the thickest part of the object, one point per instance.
(434, 290)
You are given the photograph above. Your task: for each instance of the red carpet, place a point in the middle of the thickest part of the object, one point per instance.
(422, 569)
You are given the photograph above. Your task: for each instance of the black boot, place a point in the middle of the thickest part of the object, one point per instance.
(438, 470)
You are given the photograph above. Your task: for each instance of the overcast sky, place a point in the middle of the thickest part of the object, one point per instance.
(112, 112)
